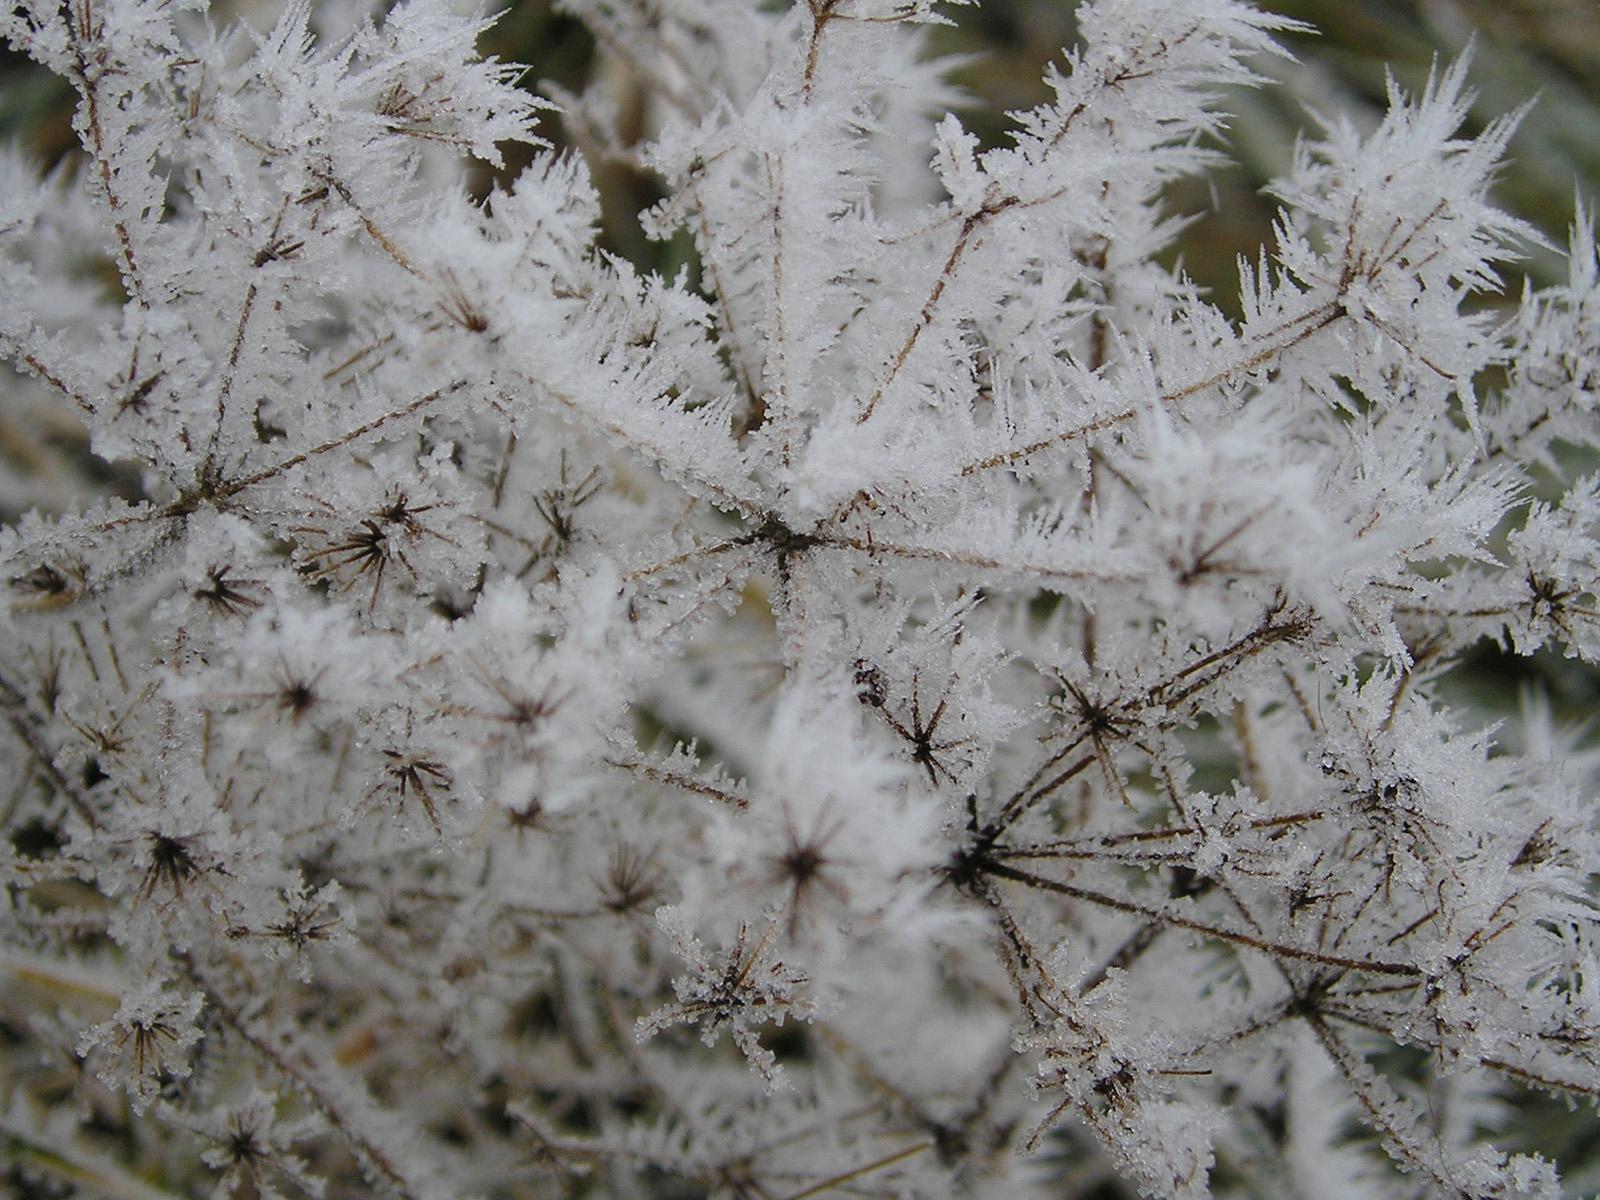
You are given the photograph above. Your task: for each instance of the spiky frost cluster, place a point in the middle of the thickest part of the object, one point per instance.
(930, 653)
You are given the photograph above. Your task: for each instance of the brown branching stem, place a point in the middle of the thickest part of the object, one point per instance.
(380, 1162)
(1206, 928)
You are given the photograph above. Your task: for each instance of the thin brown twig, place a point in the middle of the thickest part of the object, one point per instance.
(1221, 933)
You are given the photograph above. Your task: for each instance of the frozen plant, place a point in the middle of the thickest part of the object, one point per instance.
(921, 705)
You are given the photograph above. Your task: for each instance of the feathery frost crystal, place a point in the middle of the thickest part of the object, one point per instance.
(927, 642)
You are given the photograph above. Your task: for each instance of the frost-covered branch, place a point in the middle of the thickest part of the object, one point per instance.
(928, 642)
